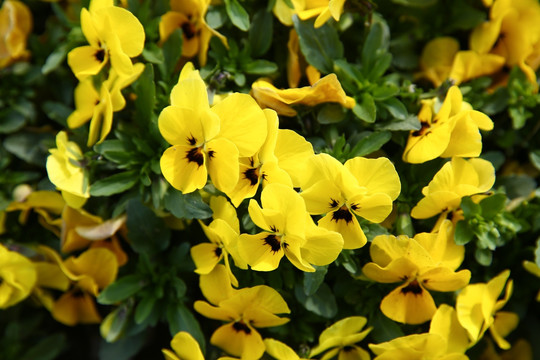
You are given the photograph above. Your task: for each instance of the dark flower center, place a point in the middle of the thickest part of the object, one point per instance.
(189, 30)
(195, 155)
(100, 55)
(218, 251)
(423, 130)
(274, 243)
(414, 287)
(252, 174)
(241, 326)
(342, 213)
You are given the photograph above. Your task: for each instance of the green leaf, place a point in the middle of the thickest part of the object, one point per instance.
(534, 156)
(380, 66)
(384, 329)
(415, 3)
(492, 205)
(519, 116)
(517, 185)
(322, 303)
(483, 256)
(153, 53)
(57, 111)
(313, 280)
(463, 233)
(30, 147)
(396, 108)
(186, 206)
(365, 109)
(123, 349)
(331, 114)
(47, 348)
(320, 46)
(55, 59)
(144, 308)
(384, 91)
(237, 14)
(121, 289)
(181, 319)
(145, 90)
(114, 184)
(376, 44)
(261, 32)
(411, 122)
(172, 50)
(371, 143)
(146, 232)
(11, 121)
(260, 67)
(470, 208)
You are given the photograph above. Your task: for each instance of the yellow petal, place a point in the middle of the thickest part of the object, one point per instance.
(50, 275)
(375, 207)
(347, 225)
(444, 279)
(239, 339)
(184, 168)
(186, 346)
(279, 350)
(98, 267)
(322, 246)
(436, 59)
(223, 163)
(87, 61)
(505, 322)
(292, 152)
(470, 64)
(446, 324)
(216, 286)
(86, 98)
(183, 126)
(18, 276)
(376, 175)
(190, 93)
(76, 307)
(262, 252)
(323, 197)
(409, 304)
(206, 256)
(126, 27)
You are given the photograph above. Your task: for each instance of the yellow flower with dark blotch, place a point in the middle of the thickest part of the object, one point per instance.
(340, 338)
(448, 129)
(307, 9)
(189, 15)
(207, 141)
(15, 26)
(456, 179)
(512, 32)
(223, 234)
(478, 308)
(261, 168)
(363, 187)
(289, 231)
(185, 348)
(47, 204)
(66, 170)
(98, 106)
(113, 33)
(327, 90)
(243, 310)
(426, 262)
(17, 277)
(446, 340)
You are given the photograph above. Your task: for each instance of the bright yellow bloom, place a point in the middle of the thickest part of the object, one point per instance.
(262, 167)
(113, 33)
(363, 187)
(512, 32)
(327, 89)
(446, 340)
(17, 277)
(47, 204)
(223, 234)
(50, 276)
(533, 269)
(425, 262)
(15, 26)
(289, 231)
(478, 310)
(208, 141)
(340, 339)
(98, 107)
(280, 351)
(189, 16)
(293, 152)
(185, 348)
(243, 310)
(65, 167)
(306, 9)
(450, 129)
(456, 179)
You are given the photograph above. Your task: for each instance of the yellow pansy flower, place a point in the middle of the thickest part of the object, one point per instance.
(307, 9)
(17, 277)
(456, 179)
(478, 308)
(189, 15)
(65, 167)
(243, 310)
(185, 348)
(450, 129)
(98, 106)
(289, 231)
(223, 234)
(15, 26)
(363, 187)
(207, 141)
(512, 32)
(262, 167)
(425, 262)
(47, 204)
(340, 338)
(113, 33)
(327, 89)
(446, 340)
